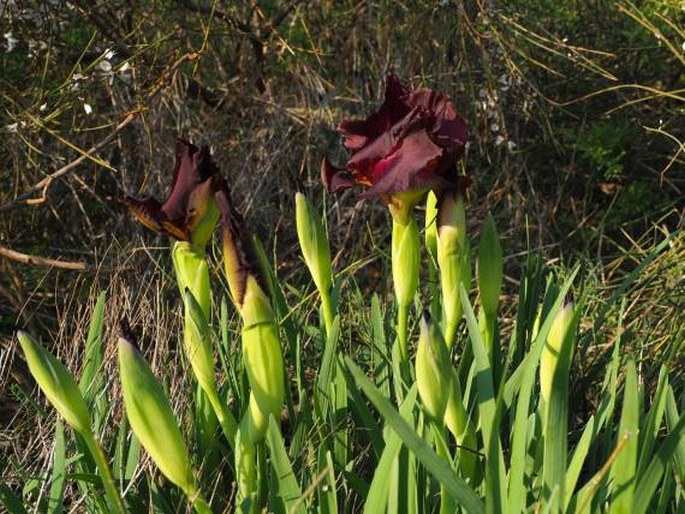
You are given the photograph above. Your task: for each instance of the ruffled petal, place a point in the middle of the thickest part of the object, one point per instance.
(335, 179)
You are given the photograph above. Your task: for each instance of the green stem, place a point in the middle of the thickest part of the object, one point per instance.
(402, 331)
(328, 314)
(228, 424)
(446, 504)
(113, 496)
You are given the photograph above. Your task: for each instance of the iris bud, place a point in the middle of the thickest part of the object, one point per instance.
(57, 384)
(433, 369)
(152, 419)
(555, 344)
(406, 254)
(490, 268)
(192, 273)
(314, 243)
(452, 257)
(431, 225)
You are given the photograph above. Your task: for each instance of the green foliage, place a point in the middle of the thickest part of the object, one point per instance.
(576, 133)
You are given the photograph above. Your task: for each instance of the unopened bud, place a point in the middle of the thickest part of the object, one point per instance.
(197, 340)
(557, 342)
(431, 225)
(490, 268)
(192, 273)
(433, 369)
(151, 417)
(406, 254)
(314, 243)
(452, 257)
(57, 384)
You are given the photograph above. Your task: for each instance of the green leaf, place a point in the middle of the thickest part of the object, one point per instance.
(328, 502)
(377, 498)
(653, 422)
(579, 455)
(672, 417)
(91, 382)
(327, 370)
(439, 468)
(623, 469)
(10, 501)
(489, 408)
(649, 480)
(55, 502)
(287, 491)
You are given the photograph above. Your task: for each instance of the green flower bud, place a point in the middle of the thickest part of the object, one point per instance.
(256, 306)
(459, 423)
(406, 255)
(561, 329)
(198, 343)
(431, 225)
(192, 273)
(452, 257)
(151, 417)
(314, 243)
(57, 384)
(490, 272)
(433, 369)
(264, 365)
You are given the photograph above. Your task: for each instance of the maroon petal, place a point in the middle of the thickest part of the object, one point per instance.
(358, 133)
(148, 212)
(449, 129)
(193, 166)
(364, 161)
(410, 167)
(335, 179)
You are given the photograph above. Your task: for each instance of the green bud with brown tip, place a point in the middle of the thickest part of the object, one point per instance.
(453, 257)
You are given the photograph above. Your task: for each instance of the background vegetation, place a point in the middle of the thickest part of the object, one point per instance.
(577, 141)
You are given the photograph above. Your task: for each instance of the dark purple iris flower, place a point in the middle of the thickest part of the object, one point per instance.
(190, 212)
(409, 146)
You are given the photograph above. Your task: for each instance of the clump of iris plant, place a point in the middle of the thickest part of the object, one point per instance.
(189, 216)
(199, 199)
(408, 147)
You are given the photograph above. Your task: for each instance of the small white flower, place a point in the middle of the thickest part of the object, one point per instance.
(11, 41)
(87, 108)
(683, 46)
(494, 127)
(109, 53)
(43, 107)
(499, 140)
(12, 127)
(511, 145)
